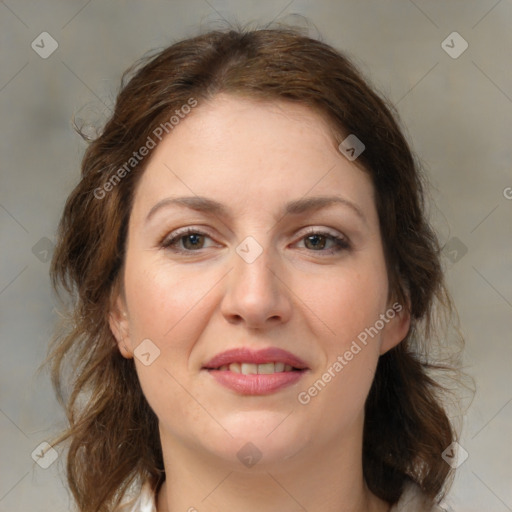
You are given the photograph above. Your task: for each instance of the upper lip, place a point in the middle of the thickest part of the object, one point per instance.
(246, 355)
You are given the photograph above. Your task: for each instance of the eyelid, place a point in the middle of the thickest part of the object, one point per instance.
(203, 231)
(323, 230)
(340, 240)
(180, 232)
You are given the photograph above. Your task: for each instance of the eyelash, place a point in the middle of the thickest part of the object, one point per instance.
(170, 243)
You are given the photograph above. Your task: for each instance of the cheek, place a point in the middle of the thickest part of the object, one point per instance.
(335, 395)
(339, 402)
(163, 298)
(348, 304)
(348, 301)
(167, 305)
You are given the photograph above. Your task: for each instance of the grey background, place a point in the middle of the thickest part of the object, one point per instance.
(457, 113)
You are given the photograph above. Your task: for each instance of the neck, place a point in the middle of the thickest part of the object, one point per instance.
(317, 479)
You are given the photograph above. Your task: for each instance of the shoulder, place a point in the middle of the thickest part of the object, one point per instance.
(414, 500)
(140, 500)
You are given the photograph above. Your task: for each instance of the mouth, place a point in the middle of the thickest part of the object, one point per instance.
(257, 369)
(247, 361)
(260, 372)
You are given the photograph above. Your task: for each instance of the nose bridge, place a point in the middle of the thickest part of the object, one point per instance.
(254, 291)
(253, 263)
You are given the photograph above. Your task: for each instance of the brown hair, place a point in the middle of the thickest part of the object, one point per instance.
(113, 431)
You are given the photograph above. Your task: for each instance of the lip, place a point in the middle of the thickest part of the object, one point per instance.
(262, 356)
(259, 384)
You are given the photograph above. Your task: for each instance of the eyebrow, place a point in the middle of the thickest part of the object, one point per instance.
(299, 206)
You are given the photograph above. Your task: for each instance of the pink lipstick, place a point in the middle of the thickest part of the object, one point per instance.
(261, 372)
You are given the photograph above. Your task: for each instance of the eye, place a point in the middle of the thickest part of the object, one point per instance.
(316, 240)
(192, 240)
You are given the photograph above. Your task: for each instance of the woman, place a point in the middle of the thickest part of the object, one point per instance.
(254, 282)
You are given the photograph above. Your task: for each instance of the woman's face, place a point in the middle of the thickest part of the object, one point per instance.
(260, 270)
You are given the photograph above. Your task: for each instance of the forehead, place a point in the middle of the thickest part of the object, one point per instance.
(227, 119)
(249, 152)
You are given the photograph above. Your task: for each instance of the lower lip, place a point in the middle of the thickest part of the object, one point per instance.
(260, 384)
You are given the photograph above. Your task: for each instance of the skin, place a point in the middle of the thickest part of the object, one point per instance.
(254, 157)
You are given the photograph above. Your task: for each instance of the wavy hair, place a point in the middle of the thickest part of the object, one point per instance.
(113, 433)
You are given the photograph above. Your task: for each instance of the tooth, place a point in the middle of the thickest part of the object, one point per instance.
(266, 368)
(248, 369)
(254, 369)
(224, 367)
(235, 368)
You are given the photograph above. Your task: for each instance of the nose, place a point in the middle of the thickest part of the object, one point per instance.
(256, 292)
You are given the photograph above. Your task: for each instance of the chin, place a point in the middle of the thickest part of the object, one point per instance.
(261, 439)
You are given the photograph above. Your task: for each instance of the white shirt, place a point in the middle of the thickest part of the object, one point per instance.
(412, 500)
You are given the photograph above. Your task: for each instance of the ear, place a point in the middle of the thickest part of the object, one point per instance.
(119, 325)
(397, 327)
